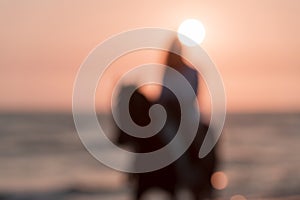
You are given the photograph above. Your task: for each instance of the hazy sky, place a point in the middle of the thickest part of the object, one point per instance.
(254, 43)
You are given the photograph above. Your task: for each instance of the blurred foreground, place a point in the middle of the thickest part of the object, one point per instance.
(41, 157)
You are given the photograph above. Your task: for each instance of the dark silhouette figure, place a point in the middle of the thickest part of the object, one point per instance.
(188, 171)
(165, 178)
(191, 172)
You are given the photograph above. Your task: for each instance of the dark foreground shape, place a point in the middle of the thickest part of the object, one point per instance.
(188, 171)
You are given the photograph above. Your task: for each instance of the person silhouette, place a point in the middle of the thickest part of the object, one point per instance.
(188, 171)
(191, 172)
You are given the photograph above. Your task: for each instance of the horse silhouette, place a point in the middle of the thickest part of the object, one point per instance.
(188, 171)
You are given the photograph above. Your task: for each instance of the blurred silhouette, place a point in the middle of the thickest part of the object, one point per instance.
(165, 178)
(188, 171)
(191, 172)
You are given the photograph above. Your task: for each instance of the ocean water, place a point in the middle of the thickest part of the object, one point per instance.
(41, 157)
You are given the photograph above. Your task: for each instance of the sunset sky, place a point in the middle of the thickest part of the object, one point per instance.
(254, 43)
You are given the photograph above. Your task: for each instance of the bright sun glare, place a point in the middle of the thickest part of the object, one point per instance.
(191, 32)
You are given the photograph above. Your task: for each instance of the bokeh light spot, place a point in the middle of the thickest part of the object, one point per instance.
(238, 197)
(219, 180)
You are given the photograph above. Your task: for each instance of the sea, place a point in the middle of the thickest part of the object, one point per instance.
(42, 158)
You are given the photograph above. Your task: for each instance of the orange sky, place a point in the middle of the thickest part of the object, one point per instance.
(255, 44)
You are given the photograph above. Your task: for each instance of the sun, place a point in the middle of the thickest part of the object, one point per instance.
(191, 32)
